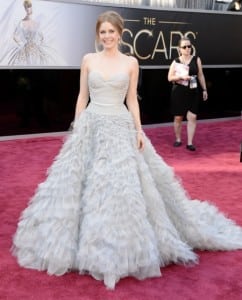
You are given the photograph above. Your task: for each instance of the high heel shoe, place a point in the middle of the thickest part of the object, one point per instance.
(191, 147)
(177, 144)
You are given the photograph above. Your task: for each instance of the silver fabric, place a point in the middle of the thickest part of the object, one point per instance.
(107, 209)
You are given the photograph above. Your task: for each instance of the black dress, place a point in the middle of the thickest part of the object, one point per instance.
(183, 98)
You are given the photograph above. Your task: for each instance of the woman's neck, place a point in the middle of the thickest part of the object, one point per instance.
(185, 59)
(186, 56)
(27, 17)
(113, 52)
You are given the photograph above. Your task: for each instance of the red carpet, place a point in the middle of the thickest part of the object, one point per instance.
(212, 172)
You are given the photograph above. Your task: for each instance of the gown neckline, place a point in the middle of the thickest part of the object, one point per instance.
(110, 77)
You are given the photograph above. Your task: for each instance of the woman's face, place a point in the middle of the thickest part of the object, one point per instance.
(185, 47)
(28, 10)
(108, 35)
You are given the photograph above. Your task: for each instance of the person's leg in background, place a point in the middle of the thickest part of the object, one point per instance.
(177, 130)
(191, 127)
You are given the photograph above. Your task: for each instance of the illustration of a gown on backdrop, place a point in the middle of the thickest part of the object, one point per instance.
(111, 211)
(31, 48)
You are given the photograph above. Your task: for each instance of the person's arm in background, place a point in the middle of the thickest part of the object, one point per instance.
(173, 77)
(201, 79)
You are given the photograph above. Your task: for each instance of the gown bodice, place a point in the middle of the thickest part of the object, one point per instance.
(107, 96)
(28, 36)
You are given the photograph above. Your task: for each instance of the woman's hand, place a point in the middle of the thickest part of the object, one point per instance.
(205, 95)
(140, 140)
(185, 77)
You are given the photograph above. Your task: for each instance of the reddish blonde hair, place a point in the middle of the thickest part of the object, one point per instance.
(113, 18)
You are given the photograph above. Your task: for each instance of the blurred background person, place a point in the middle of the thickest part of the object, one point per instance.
(183, 73)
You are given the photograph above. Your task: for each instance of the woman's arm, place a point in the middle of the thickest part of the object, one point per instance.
(173, 76)
(83, 95)
(201, 79)
(132, 101)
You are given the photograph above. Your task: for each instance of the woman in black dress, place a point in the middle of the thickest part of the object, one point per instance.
(184, 72)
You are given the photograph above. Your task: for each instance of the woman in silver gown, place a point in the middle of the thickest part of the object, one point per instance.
(110, 206)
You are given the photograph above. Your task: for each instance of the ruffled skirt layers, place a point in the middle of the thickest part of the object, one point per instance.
(111, 211)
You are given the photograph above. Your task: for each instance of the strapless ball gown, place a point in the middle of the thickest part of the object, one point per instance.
(107, 209)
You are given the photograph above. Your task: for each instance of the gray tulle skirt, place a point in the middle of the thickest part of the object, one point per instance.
(111, 211)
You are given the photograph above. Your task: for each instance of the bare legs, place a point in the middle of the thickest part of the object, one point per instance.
(178, 127)
(191, 127)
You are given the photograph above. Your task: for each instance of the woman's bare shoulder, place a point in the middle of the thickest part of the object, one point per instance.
(88, 58)
(131, 60)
